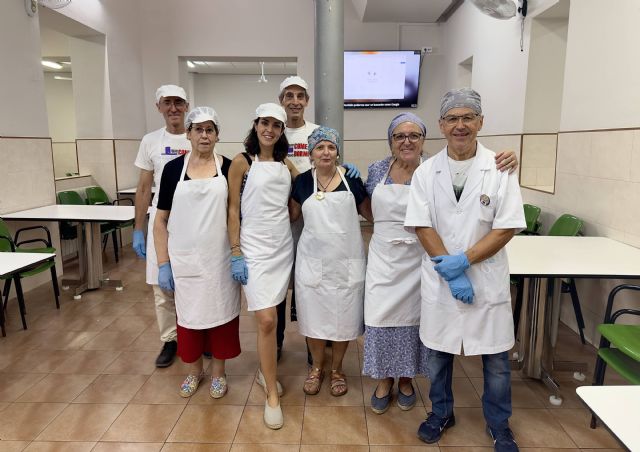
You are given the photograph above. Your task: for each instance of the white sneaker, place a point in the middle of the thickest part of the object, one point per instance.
(273, 417)
(261, 382)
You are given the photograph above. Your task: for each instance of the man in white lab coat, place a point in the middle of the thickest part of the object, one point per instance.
(464, 212)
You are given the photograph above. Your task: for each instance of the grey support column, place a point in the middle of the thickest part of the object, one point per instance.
(329, 64)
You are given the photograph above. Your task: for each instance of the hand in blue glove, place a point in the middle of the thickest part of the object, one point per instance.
(450, 266)
(165, 277)
(239, 270)
(352, 170)
(461, 288)
(139, 246)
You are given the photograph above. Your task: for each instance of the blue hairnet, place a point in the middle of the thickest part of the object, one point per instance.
(461, 98)
(405, 117)
(323, 133)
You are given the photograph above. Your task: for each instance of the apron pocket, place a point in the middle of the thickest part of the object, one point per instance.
(357, 271)
(186, 264)
(309, 271)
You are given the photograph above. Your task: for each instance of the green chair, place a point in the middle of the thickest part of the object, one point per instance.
(570, 226)
(531, 215)
(96, 195)
(7, 244)
(72, 197)
(619, 345)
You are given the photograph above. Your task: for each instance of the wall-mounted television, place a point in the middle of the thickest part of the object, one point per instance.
(381, 79)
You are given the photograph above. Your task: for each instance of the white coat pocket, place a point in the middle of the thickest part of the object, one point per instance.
(309, 271)
(487, 213)
(357, 271)
(186, 264)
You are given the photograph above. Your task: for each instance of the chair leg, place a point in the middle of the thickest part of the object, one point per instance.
(518, 307)
(5, 293)
(598, 380)
(104, 242)
(114, 237)
(56, 289)
(576, 308)
(21, 306)
(4, 332)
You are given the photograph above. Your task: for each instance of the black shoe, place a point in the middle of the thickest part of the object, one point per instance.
(503, 440)
(431, 429)
(167, 354)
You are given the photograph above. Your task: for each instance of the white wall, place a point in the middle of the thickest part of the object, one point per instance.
(60, 108)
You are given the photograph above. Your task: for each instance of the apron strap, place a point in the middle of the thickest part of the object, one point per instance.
(315, 180)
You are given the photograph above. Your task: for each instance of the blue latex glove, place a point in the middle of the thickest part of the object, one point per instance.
(239, 270)
(461, 288)
(165, 277)
(139, 246)
(450, 266)
(352, 170)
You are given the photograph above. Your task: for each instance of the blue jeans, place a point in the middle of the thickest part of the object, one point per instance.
(496, 399)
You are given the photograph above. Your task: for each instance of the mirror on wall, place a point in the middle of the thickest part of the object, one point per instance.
(538, 161)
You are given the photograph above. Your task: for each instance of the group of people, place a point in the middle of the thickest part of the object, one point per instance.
(218, 224)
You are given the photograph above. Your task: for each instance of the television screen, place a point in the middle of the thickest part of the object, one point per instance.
(381, 79)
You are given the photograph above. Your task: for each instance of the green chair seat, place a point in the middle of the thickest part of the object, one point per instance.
(625, 366)
(625, 338)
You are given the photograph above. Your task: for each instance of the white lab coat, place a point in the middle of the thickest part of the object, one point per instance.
(446, 324)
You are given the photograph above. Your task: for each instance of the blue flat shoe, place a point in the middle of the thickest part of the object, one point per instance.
(379, 405)
(406, 402)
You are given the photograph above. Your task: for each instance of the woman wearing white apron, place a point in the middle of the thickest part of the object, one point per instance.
(330, 262)
(392, 347)
(260, 237)
(192, 245)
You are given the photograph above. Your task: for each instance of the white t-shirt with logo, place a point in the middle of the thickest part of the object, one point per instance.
(459, 170)
(156, 149)
(298, 152)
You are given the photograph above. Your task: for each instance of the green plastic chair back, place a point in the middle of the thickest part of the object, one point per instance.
(5, 245)
(531, 215)
(70, 198)
(567, 226)
(96, 195)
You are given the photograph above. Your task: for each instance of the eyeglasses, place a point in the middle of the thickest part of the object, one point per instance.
(201, 130)
(178, 103)
(452, 120)
(400, 137)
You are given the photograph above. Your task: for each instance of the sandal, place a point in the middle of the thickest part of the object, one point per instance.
(314, 381)
(338, 384)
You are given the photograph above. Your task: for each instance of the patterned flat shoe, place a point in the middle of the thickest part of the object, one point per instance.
(190, 385)
(218, 387)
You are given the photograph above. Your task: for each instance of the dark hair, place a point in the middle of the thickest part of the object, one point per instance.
(252, 145)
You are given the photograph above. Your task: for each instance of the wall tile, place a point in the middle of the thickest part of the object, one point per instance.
(574, 153)
(611, 154)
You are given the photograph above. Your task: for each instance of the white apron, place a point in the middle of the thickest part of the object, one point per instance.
(265, 234)
(206, 295)
(392, 290)
(330, 267)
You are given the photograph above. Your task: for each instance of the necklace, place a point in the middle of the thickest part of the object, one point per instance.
(324, 187)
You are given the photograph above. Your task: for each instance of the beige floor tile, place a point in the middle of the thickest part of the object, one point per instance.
(81, 422)
(248, 324)
(57, 388)
(236, 447)
(207, 424)
(469, 449)
(424, 447)
(294, 342)
(293, 394)
(245, 364)
(146, 309)
(90, 322)
(13, 386)
(332, 448)
(472, 366)
(253, 430)
(24, 421)
(334, 425)
(112, 389)
(293, 363)
(111, 307)
(47, 446)
(14, 446)
(179, 367)
(144, 423)
(133, 363)
(109, 340)
(537, 428)
(163, 389)
(324, 398)
(87, 362)
(521, 394)
(148, 341)
(464, 394)
(576, 423)
(249, 342)
(468, 431)
(602, 450)
(128, 447)
(237, 393)
(395, 427)
(567, 390)
(132, 324)
(61, 340)
(37, 361)
(195, 447)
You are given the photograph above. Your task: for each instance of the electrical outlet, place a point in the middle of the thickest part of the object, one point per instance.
(426, 49)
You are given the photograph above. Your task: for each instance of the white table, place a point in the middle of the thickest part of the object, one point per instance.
(133, 190)
(12, 264)
(89, 248)
(540, 260)
(618, 407)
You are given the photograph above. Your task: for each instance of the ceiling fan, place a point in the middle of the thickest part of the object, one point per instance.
(32, 5)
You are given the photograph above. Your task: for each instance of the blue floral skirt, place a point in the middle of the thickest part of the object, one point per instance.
(394, 352)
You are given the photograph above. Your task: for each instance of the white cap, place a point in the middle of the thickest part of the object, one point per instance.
(293, 80)
(271, 110)
(202, 114)
(170, 91)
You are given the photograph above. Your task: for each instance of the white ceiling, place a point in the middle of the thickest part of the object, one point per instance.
(403, 11)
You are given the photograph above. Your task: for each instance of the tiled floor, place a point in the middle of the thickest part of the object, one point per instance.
(83, 378)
